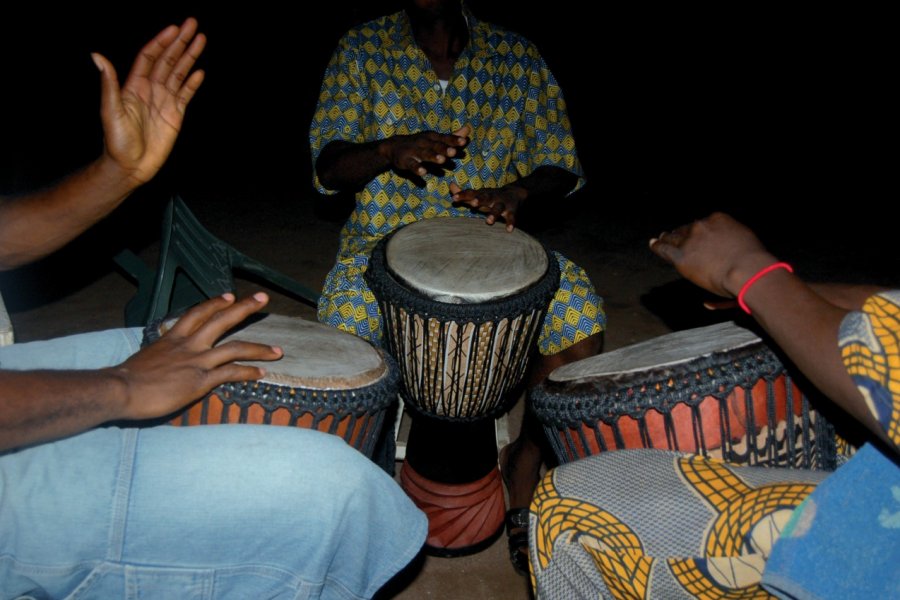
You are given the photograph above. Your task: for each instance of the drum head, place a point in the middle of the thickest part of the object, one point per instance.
(464, 261)
(661, 352)
(316, 356)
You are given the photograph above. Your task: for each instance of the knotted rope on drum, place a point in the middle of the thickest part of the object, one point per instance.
(458, 361)
(593, 415)
(355, 414)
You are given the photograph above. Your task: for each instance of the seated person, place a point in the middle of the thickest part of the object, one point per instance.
(659, 524)
(217, 511)
(392, 94)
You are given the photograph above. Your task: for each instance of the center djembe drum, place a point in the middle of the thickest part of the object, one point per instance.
(327, 380)
(462, 304)
(719, 391)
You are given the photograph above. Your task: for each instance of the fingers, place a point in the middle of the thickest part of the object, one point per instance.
(148, 55)
(510, 218)
(460, 196)
(240, 350)
(189, 89)
(490, 202)
(232, 372)
(462, 135)
(184, 62)
(168, 58)
(209, 321)
(665, 250)
(166, 63)
(409, 152)
(435, 147)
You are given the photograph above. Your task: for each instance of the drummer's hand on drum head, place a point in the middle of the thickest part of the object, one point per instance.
(415, 153)
(716, 253)
(184, 365)
(496, 203)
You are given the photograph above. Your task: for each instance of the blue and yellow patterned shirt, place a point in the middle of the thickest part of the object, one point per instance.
(870, 348)
(379, 84)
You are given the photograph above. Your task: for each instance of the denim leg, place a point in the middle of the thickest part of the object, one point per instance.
(82, 351)
(231, 511)
(223, 511)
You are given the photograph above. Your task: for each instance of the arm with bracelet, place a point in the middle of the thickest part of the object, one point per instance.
(726, 258)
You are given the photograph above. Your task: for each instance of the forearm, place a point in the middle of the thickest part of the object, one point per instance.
(346, 166)
(846, 296)
(37, 406)
(805, 325)
(36, 224)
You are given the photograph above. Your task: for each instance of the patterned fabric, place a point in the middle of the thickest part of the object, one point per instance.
(379, 84)
(844, 542)
(720, 523)
(870, 348)
(651, 524)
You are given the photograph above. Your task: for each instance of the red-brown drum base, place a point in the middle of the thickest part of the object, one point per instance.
(451, 474)
(463, 518)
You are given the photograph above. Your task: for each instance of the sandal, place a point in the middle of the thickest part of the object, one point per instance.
(517, 539)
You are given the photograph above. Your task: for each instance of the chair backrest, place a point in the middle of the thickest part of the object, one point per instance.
(193, 265)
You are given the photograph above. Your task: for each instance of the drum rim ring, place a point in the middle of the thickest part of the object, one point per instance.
(388, 290)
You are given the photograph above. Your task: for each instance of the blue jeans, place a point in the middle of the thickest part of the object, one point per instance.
(226, 511)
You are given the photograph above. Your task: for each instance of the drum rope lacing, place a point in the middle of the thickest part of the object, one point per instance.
(567, 409)
(359, 411)
(459, 360)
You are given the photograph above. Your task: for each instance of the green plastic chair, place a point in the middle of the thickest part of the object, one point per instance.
(194, 265)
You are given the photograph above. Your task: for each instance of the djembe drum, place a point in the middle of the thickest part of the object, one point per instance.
(327, 380)
(716, 390)
(462, 304)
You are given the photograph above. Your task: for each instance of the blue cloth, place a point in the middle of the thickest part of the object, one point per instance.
(230, 511)
(844, 541)
(839, 544)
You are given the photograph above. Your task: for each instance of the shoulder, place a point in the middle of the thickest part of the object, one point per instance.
(373, 36)
(512, 49)
(869, 340)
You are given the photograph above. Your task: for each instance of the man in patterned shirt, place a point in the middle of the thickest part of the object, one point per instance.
(431, 113)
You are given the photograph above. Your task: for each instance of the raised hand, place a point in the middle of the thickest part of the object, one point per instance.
(142, 119)
(184, 364)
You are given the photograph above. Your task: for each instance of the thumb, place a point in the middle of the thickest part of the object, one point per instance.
(463, 131)
(665, 251)
(719, 304)
(454, 189)
(110, 94)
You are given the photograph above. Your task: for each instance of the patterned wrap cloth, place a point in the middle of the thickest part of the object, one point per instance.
(655, 524)
(379, 84)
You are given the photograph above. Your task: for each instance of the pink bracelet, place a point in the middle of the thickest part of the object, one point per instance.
(759, 275)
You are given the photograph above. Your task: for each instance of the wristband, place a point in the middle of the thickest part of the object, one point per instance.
(759, 275)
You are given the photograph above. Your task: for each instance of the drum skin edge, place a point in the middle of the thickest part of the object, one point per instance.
(710, 401)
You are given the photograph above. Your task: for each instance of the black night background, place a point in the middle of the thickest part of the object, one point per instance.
(783, 117)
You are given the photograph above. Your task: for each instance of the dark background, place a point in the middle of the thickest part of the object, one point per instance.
(784, 117)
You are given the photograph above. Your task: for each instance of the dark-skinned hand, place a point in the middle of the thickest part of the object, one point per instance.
(142, 119)
(497, 203)
(416, 152)
(185, 364)
(716, 253)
